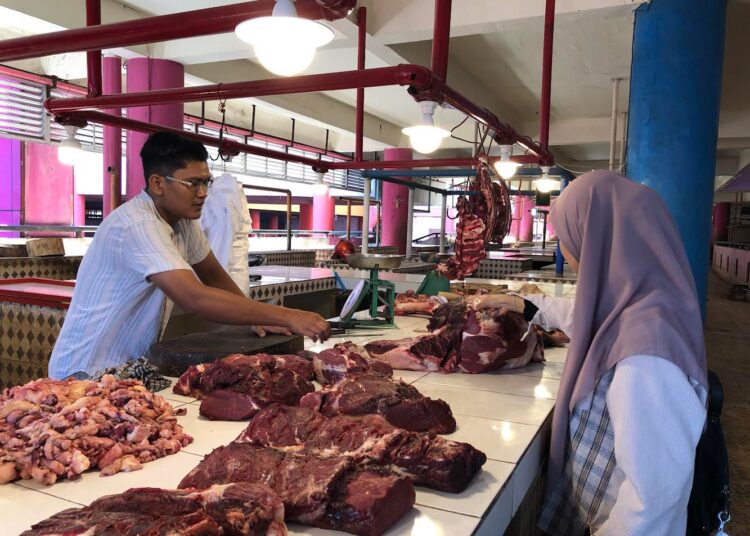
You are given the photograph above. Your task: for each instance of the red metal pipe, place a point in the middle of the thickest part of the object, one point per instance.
(40, 79)
(94, 57)
(544, 107)
(440, 39)
(359, 117)
(384, 76)
(196, 23)
(436, 162)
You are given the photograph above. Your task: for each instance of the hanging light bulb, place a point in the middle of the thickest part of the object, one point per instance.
(545, 184)
(69, 149)
(284, 43)
(505, 167)
(320, 187)
(426, 138)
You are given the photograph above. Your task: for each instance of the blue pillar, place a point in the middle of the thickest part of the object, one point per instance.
(675, 87)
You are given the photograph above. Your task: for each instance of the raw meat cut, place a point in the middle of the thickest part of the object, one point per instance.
(322, 492)
(429, 460)
(464, 339)
(232, 509)
(236, 387)
(52, 429)
(333, 364)
(401, 404)
(411, 303)
(481, 218)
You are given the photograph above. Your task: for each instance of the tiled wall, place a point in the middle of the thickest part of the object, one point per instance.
(732, 264)
(288, 258)
(46, 267)
(27, 335)
(498, 269)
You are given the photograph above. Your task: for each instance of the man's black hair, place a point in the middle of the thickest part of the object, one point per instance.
(165, 152)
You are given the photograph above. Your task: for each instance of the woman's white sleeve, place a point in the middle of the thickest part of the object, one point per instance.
(554, 312)
(657, 418)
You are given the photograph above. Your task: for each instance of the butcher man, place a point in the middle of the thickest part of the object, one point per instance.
(150, 249)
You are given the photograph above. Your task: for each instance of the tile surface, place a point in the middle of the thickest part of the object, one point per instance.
(21, 507)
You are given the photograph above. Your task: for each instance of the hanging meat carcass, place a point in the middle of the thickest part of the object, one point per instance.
(482, 218)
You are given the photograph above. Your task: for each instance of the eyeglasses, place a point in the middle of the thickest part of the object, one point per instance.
(193, 184)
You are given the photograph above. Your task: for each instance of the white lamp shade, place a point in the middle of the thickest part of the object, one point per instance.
(425, 139)
(506, 169)
(68, 151)
(284, 45)
(545, 184)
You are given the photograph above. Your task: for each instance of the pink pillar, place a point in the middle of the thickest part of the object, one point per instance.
(515, 223)
(395, 205)
(10, 184)
(305, 217)
(79, 209)
(720, 222)
(112, 136)
(526, 230)
(145, 74)
(273, 221)
(48, 187)
(255, 217)
(323, 213)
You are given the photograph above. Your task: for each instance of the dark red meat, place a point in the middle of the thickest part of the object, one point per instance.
(335, 363)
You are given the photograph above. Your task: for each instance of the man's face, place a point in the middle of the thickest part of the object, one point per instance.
(178, 199)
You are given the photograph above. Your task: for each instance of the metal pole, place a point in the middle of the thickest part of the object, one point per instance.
(544, 230)
(379, 225)
(289, 223)
(359, 118)
(409, 223)
(441, 38)
(366, 216)
(94, 57)
(443, 216)
(624, 141)
(348, 219)
(559, 260)
(544, 108)
(613, 132)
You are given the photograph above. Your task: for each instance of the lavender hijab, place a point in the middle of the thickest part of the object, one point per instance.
(635, 294)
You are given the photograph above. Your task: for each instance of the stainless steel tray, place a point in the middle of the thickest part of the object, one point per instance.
(367, 262)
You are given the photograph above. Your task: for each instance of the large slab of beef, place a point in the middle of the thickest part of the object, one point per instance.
(333, 364)
(52, 429)
(481, 218)
(399, 403)
(236, 387)
(410, 303)
(428, 459)
(233, 509)
(464, 339)
(328, 492)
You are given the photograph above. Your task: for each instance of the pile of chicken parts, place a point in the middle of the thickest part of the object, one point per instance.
(51, 429)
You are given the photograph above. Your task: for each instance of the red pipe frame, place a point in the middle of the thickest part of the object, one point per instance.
(195, 23)
(359, 118)
(94, 57)
(423, 83)
(544, 106)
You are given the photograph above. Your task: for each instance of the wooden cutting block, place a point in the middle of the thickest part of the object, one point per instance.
(472, 288)
(174, 356)
(13, 250)
(45, 247)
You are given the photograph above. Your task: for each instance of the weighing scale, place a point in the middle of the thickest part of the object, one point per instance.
(382, 293)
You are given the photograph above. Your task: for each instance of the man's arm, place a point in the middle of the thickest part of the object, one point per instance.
(225, 307)
(213, 274)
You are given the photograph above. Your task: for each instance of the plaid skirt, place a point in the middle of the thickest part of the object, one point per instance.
(581, 495)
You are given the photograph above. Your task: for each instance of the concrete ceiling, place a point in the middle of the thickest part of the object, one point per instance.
(495, 59)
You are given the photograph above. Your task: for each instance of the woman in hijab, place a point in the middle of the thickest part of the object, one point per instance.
(631, 404)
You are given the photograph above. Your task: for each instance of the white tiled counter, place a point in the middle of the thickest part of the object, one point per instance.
(506, 415)
(277, 282)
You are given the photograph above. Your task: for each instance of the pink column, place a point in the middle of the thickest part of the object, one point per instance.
(720, 222)
(526, 230)
(515, 223)
(395, 205)
(144, 74)
(112, 136)
(79, 209)
(273, 221)
(10, 184)
(305, 217)
(48, 187)
(255, 217)
(323, 213)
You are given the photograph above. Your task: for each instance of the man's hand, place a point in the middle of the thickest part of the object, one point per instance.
(308, 324)
(262, 331)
